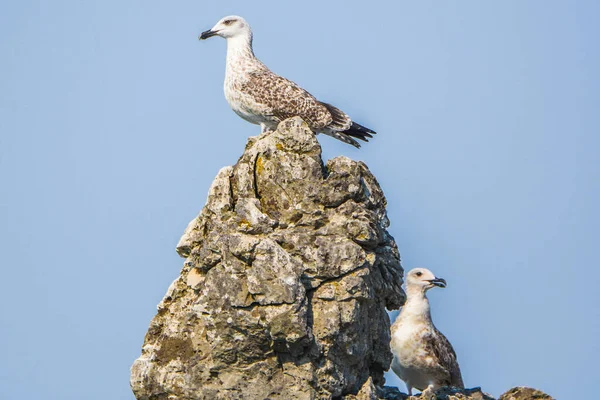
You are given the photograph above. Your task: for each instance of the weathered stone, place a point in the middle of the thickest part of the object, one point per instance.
(283, 293)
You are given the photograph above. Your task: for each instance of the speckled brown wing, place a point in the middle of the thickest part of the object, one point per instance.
(285, 99)
(442, 349)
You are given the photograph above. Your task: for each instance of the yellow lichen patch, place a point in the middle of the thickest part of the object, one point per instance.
(260, 165)
(362, 237)
(279, 146)
(371, 258)
(244, 223)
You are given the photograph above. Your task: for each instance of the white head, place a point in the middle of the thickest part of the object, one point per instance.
(423, 279)
(228, 27)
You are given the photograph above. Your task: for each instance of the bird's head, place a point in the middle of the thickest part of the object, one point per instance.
(227, 27)
(424, 279)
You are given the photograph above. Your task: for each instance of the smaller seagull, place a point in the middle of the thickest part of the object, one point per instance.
(261, 97)
(423, 357)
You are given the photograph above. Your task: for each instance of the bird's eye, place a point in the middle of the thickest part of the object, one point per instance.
(229, 22)
(419, 273)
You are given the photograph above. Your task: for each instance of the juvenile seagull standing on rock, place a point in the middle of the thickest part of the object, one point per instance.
(423, 357)
(261, 97)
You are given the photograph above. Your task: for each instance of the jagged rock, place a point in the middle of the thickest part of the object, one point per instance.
(524, 393)
(287, 275)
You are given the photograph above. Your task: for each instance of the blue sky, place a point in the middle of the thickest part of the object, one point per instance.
(113, 125)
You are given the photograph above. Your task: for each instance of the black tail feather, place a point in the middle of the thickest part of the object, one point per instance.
(360, 132)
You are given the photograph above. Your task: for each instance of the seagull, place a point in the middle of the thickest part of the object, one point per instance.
(423, 357)
(263, 98)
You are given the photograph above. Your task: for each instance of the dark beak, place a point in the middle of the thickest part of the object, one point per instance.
(439, 282)
(206, 34)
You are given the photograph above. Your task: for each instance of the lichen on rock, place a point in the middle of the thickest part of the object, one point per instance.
(288, 273)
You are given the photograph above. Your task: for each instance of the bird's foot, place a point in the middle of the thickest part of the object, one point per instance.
(428, 394)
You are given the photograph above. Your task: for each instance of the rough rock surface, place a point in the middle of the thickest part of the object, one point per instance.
(283, 294)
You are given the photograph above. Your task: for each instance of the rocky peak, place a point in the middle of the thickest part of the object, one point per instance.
(288, 272)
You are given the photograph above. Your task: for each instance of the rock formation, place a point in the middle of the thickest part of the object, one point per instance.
(288, 273)
(283, 294)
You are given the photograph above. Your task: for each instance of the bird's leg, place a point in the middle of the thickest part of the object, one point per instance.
(264, 128)
(409, 389)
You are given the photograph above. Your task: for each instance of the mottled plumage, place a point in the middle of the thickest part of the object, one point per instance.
(423, 357)
(264, 98)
